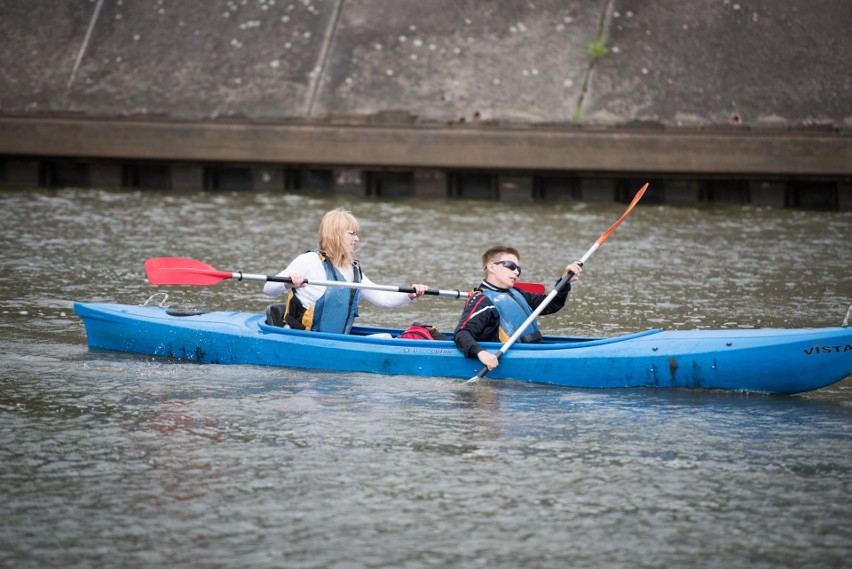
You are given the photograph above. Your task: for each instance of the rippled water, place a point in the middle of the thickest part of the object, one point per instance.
(116, 460)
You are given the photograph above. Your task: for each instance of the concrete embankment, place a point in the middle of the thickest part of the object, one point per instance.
(747, 101)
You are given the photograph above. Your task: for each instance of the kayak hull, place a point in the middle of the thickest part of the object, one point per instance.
(759, 360)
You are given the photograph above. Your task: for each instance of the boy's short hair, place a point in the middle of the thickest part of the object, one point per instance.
(496, 251)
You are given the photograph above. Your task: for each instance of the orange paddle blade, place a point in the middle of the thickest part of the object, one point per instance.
(615, 225)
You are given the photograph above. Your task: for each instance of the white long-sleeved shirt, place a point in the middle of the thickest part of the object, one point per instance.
(311, 267)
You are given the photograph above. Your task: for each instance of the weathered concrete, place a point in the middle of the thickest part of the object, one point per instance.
(748, 87)
(761, 64)
(442, 60)
(757, 63)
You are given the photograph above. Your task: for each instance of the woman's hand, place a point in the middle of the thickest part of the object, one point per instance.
(419, 290)
(298, 280)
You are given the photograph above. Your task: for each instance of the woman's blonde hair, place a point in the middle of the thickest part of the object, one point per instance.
(332, 228)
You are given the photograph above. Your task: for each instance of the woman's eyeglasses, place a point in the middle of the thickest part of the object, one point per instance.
(352, 233)
(511, 265)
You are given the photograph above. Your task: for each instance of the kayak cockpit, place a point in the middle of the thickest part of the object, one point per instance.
(381, 335)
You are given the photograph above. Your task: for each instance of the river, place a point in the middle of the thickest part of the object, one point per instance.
(119, 460)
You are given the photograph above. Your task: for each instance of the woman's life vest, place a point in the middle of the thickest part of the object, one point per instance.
(334, 311)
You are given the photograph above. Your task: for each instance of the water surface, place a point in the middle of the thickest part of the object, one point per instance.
(118, 460)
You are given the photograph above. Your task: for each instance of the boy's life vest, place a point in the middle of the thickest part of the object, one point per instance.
(513, 310)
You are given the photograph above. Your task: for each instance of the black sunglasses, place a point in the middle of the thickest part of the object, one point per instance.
(511, 265)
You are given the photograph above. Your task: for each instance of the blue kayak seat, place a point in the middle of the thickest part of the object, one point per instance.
(275, 314)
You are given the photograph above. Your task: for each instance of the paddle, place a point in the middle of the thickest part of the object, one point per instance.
(180, 271)
(563, 282)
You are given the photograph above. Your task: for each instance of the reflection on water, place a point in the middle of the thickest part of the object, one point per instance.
(125, 461)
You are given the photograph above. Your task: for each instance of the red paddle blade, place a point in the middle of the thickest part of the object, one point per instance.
(180, 271)
(535, 288)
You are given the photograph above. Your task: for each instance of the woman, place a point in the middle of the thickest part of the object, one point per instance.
(331, 309)
(496, 309)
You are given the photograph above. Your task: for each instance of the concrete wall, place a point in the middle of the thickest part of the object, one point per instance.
(754, 88)
(677, 63)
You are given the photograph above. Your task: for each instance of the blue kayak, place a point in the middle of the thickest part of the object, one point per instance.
(758, 360)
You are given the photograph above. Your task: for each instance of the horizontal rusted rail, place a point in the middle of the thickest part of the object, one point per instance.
(733, 151)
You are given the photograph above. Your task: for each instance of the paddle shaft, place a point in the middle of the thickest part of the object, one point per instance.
(240, 276)
(563, 282)
(181, 271)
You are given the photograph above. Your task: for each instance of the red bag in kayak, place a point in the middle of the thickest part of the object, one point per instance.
(419, 331)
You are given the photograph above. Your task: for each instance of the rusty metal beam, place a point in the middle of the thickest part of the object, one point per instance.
(617, 150)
